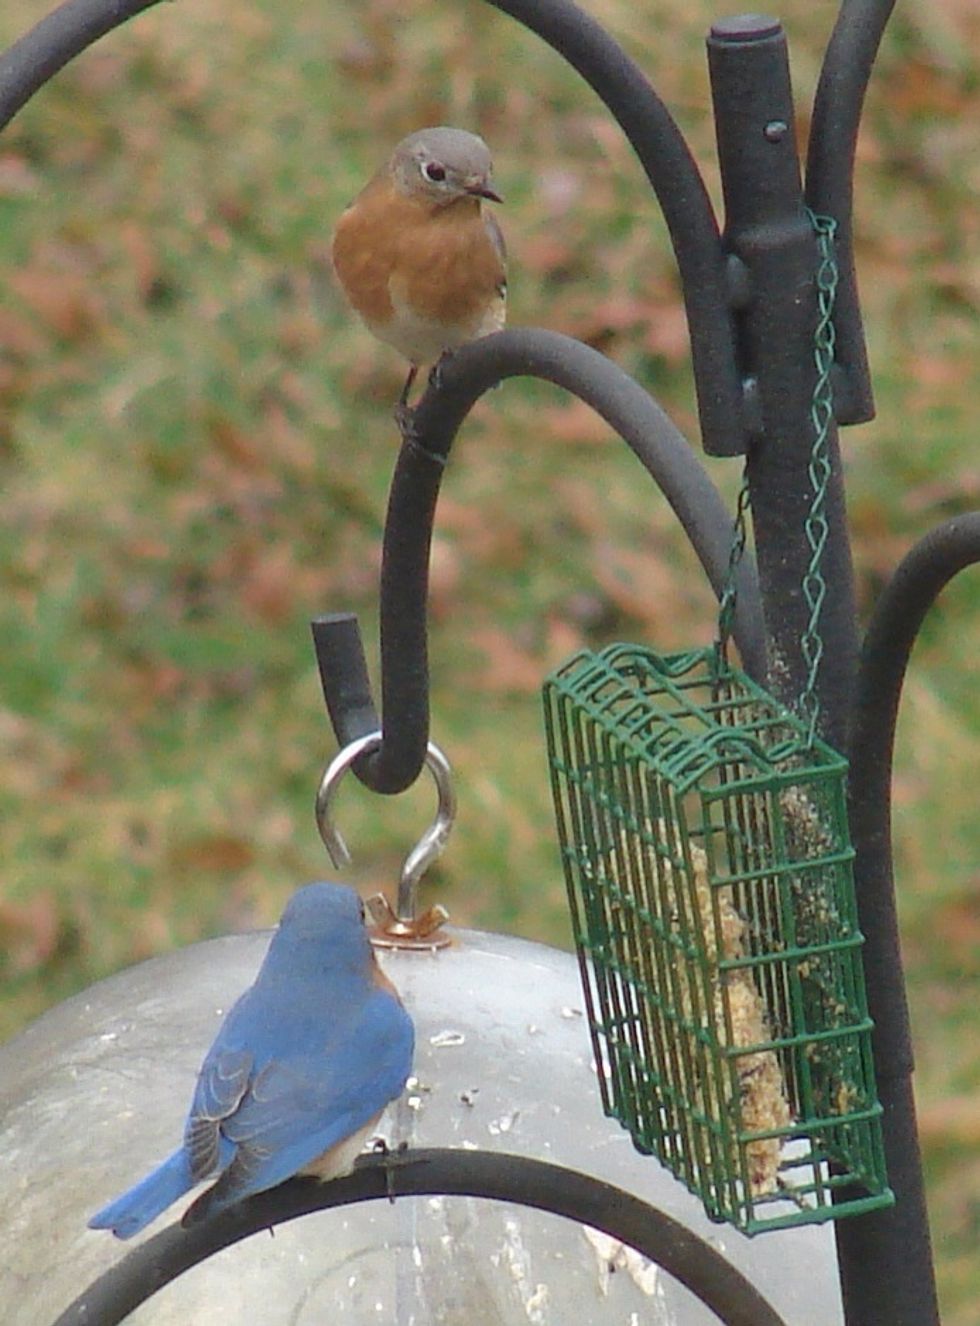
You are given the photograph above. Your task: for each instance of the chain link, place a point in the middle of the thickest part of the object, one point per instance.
(729, 595)
(822, 418)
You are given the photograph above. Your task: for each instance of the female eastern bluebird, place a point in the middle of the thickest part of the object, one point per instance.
(418, 258)
(299, 1072)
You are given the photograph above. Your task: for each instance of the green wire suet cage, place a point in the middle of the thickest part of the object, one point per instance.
(708, 862)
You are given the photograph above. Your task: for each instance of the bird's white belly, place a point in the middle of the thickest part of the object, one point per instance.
(422, 340)
(340, 1159)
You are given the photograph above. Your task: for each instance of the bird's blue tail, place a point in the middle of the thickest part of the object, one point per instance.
(134, 1210)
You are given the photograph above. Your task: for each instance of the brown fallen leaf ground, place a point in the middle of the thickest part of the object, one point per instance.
(195, 445)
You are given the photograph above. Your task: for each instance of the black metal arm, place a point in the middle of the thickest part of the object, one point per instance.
(504, 1178)
(461, 380)
(50, 44)
(830, 183)
(672, 173)
(898, 617)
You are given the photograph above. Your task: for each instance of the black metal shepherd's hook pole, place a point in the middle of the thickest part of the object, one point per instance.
(770, 263)
(885, 1259)
(627, 407)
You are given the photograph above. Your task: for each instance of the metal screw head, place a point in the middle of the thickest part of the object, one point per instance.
(775, 131)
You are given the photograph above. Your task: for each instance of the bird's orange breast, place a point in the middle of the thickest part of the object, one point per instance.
(440, 263)
(362, 255)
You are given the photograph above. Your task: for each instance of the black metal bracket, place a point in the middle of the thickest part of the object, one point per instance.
(774, 259)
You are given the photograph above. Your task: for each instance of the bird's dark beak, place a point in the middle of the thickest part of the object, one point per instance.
(480, 189)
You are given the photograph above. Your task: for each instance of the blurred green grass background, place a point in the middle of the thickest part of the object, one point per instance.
(195, 446)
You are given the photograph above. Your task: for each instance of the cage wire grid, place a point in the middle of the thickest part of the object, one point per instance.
(708, 865)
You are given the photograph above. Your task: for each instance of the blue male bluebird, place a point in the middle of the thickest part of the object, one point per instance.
(299, 1073)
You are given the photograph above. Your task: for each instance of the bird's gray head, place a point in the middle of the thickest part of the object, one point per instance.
(441, 165)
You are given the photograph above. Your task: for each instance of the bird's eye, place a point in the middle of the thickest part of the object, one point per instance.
(434, 172)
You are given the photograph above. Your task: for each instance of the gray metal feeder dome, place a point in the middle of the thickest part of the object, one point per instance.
(96, 1091)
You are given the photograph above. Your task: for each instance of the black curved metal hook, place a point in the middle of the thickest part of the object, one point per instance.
(53, 42)
(894, 628)
(837, 108)
(680, 191)
(494, 1176)
(898, 617)
(460, 381)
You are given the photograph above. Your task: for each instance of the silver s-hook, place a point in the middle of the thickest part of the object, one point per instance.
(401, 927)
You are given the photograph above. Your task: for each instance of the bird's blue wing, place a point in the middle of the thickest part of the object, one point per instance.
(315, 1095)
(221, 1086)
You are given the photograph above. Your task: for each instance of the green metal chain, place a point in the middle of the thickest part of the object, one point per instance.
(729, 595)
(822, 418)
(819, 470)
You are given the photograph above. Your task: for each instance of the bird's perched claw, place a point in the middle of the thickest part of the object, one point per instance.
(435, 372)
(390, 1160)
(405, 419)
